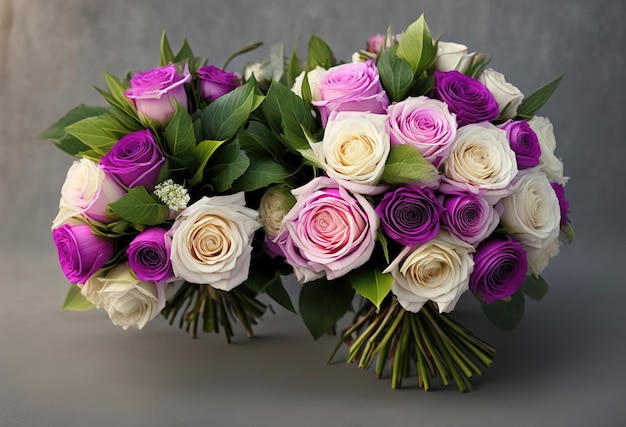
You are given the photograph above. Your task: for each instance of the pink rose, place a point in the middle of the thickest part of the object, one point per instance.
(375, 43)
(328, 232)
(351, 87)
(155, 91)
(215, 82)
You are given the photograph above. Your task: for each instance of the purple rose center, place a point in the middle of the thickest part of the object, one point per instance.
(149, 257)
(524, 143)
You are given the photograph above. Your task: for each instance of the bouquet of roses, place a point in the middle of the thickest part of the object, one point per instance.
(427, 175)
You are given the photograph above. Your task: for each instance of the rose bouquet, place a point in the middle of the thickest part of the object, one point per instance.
(422, 174)
(157, 214)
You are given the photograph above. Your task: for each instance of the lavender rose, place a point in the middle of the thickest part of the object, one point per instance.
(375, 44)
(156, 91)
(149, 256)
(524, 142)
(328, 232)
(468, 216)
(81, 253)
(499, 269)
(410, 215)
(351, 87)
(135, 160)
(559, 190)
(469, 99)
(215, 82)
(424, 123)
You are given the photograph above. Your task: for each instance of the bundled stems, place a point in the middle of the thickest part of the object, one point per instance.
(427, 344)
(215, 308)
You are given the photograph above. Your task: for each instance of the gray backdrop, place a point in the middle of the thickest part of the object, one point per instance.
(561, 367)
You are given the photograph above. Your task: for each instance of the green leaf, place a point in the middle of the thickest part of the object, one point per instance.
(121, 106)
(282, 105)
(322, 303)
(259, 174)
(319, 54)
(395, 73)
(278, 293)
(532, 103)
(57, 134)
(184, 54)
(258, 141)
(179, 134)
(75, 301)
(138, 206)
(535, 287)
(227, 114)
(506, 315)
(406, 165)
(202, 153)
(167, 56)
(99, 133)
(227, 164)
(416, 46)
(294, 68)
(371, 283)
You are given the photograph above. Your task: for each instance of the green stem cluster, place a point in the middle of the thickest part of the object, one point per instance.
(203, 306)
(426, 343)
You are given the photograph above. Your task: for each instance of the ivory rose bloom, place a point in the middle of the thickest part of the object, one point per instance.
(275, 203)
(88, 190)
(508, 96)
(548, 162)
(211, 241)
(328, 232)
(452, 56)
(539, 258)
(438, 271)
(127, 301)
(532, 213)
(481, 159)
(313, 76)
(354, 150)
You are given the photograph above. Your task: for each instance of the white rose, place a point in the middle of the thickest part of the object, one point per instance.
(438, 271)
(531, 212)
(127, 301)
(66, 215)
(482, 158)
(261, 71)
(88, 190)
(548, 162)
(452, 56)
(507, 96)
(314, 76)
(274, 205)
(212, 241)
(354, 149)
(538, 258)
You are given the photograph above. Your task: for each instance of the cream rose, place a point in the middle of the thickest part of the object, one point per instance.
(438, 271)
(127, 301)
(88, 190)
(452, 56)
(354, 150)
(507, 95)
(211, 241)
(548, 162)
(531, 212)
(538, 258)
(67, 215)
(314, 76)
(481, 158)
(274, 205)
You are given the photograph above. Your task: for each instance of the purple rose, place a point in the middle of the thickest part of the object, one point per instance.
(469, 216)
(328, 232)
(410, 215)
(149, 256)
(135, 160)
(559, 190)
(215, 82)
(156, 91)
(469, 99)
(524, 142)
(424, 123)
(81, 253)
(500, 267)
(351, 87)
(375, 44)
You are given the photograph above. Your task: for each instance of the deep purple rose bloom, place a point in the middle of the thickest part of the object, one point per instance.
(81, 253)
(149, 256)
(468, 98)
(410, 215)
(524, 142)
(500, 267)
(215, 82)
(559, 190)
(469, 216)
(156, 91)
(134, 160)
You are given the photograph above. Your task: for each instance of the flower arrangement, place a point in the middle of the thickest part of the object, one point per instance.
(407, 177)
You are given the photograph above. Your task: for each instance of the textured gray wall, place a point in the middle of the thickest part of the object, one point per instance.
(54, 51)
